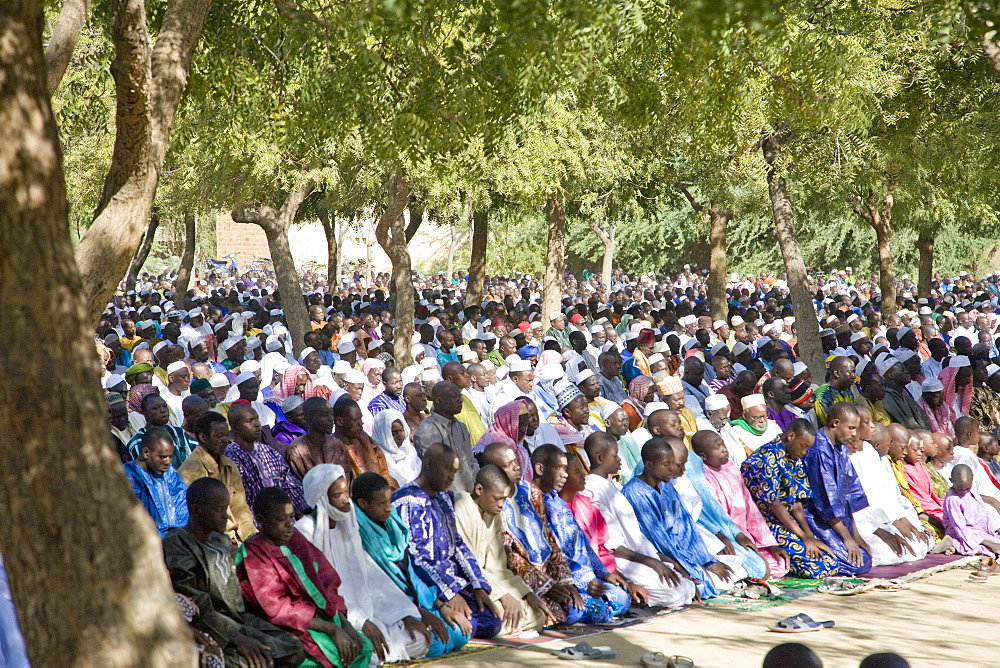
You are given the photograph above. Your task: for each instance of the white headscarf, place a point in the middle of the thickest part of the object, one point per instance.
(342, 546)
(267, 368)
(402, 461)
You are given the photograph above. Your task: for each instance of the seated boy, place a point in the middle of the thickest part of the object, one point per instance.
(972, 528)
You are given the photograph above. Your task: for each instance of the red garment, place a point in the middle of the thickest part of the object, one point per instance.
(919, 480)
(594, 528)
(273, 590)
(735, 402)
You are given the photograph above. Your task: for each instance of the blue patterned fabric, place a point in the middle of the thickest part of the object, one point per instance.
(771, 476)
(584, 564)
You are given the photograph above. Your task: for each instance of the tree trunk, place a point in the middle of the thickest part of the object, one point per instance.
(717, 269)
(477, 258)
(187, 259)
(806, 325)
(452, 240)
(607, 238)
(925, 246)
(84, 560)
(64, 37)
(275, 226)
(332, 251)
(143, 253)
(555, 256)
(391, 234)
(149, 81)
(887, 281)
(718, 224)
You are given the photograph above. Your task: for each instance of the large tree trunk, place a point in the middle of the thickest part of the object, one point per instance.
(83, 557)
(925, 273)
(149, 81)
(143, 253)
(718, 219)
(275, 226)
(391, 234)
(880, 220)
(187, 259)
(806, 325)
(477, 258)
(555, 256)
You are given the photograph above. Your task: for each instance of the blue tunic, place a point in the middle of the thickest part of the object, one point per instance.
(163, 496)
(836, 494)
(668, 525)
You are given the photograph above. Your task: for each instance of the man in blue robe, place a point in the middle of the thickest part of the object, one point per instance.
(604, 594)
(157, 486)
(836, 490)
(665, 522)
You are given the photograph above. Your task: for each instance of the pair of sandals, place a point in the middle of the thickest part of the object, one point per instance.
(800, 623)
(841, 587)
(659, 660)
(584, 650)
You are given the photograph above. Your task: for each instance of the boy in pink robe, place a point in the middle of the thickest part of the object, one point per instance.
(973, 529)
(919, 478)
(726, 482)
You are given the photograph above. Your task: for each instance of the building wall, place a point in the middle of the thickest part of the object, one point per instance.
(247, 240)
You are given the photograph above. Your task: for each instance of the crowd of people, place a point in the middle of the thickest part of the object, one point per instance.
(322, 505)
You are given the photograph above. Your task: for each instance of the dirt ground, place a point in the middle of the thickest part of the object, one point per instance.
(943, 620)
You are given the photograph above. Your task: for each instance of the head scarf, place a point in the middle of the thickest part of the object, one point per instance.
(287, 387)
(505, 430)
(402, 460)
(550, 357)
(136, 395)
(543, 393)
(135, 370)
(267, 367)
(366, 367)
(638, 389)
(947, 378)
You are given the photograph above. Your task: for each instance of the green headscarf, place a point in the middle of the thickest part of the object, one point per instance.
(749, 427)
(135, 370)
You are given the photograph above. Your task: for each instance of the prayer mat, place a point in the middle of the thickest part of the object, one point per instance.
(577, 631)
(470, 649)
(913, 570)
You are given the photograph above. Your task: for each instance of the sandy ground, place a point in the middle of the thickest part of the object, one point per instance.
(937, 621)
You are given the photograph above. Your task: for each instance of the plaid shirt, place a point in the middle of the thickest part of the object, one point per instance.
(264, 467)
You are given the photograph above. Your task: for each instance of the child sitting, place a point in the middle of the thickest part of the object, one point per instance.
(972, 528)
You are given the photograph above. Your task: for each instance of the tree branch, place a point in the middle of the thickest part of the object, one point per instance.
(286, 215)
(65, 35)
(261, 215)
(399, 195)
(601, 234)
(700, 208)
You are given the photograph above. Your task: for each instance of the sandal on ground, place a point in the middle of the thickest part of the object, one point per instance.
(800, 623)
(840, 587)
(679, 662)
(976, 577)
(654, 660)
(585, 651)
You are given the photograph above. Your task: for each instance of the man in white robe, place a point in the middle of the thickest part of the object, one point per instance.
(372, 598)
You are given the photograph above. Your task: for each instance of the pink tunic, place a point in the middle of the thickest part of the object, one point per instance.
(734, 497)
(594, 528)
(920, 486)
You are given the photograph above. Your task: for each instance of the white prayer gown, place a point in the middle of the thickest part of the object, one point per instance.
(886, 504)
(623, 530)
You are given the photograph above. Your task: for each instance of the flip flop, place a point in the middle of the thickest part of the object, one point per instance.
(654, 660)
(809, 620)
(976, 577)
(585, 651)
(679, 662)
(800, 623)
